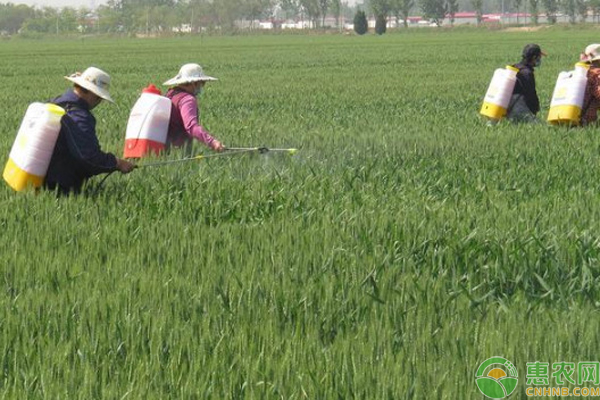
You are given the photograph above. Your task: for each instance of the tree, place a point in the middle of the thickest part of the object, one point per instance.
(252, 10)
(290, 8)
(48, 20)
(336, 9)
(13, 16)
(570, 10)
(381, 9)
(85, 22)
(402, 8)
(380, 24)
(68, 19)
(517, 4)
(109, 19)
(311, 7)
(435, 10)
(361, 26)
(257, 9)
(323, 7)
(199, 13)
(581, 7)
(478, 7)
(227, 12)
(452, 8)
(595, 7)
(534, 11)
(551, 7)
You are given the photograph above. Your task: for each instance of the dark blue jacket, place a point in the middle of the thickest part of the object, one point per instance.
(77, 155)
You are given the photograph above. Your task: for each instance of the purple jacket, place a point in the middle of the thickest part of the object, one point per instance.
(77, 155)
(184, 124)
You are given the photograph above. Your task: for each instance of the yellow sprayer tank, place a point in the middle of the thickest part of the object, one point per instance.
(497, 97)
(567, 98)
(33, 147)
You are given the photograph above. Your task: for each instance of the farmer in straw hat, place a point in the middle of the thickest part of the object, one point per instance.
(525, 103)
(591, 98)
(77, 155)
(184, 124)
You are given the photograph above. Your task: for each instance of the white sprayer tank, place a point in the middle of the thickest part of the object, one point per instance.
(497, 97)
(148, 124)
(567, 98)
(33, 147)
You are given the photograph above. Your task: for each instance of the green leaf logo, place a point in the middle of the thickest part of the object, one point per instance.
(496, 378)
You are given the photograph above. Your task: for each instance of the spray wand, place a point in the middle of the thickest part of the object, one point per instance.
(229, 152)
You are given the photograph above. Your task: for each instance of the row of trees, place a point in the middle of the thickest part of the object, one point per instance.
(151, 16)
(575, 10)
(438, 10)
(163, 15)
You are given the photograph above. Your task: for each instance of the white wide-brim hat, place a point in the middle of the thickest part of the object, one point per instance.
(93, 79)
(591, 53)
(187, 74)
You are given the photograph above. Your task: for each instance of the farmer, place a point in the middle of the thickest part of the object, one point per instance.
(77, 155)
(184, 124)
(591, 98)
(524, 103)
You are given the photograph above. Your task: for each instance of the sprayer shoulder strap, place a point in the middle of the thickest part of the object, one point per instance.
(176, 97)
(585, 107)
(514, 99)
(518, 77)
(66, 105)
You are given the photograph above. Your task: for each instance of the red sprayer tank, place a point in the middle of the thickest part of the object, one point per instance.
(148, 124)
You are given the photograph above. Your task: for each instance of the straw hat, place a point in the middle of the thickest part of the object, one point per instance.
(591, 53)
(187, 74)
(93, 79)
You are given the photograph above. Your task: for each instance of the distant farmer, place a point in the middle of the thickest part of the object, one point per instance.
(591, 98)
(77, 155)
(525, 104)
(184, 124)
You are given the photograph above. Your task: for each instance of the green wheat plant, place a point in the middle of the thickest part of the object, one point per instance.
(402, 245)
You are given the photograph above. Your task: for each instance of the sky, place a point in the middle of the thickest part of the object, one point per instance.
(58, 3)
(83, 3)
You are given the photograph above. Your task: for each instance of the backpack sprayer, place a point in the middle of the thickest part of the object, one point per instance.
(497, 98)
(32, 149)
(566, 107)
